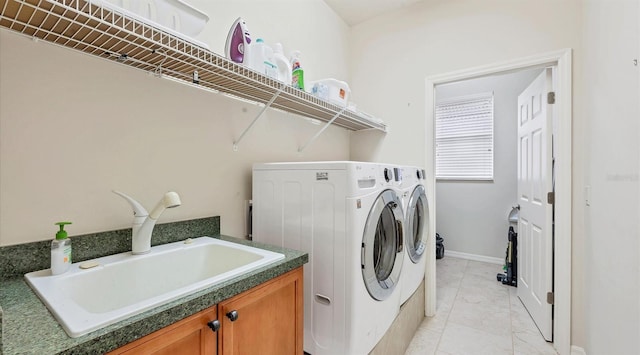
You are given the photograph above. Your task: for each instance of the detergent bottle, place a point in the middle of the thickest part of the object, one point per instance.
(284, 66)
(261, 60)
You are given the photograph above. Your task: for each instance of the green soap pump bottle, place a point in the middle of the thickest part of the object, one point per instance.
(61, 251)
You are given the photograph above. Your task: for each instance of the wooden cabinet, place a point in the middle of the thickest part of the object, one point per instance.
(267, 319)
(190, 336)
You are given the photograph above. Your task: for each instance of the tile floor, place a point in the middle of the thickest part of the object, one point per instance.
(476, 315)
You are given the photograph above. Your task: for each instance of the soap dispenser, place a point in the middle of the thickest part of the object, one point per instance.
(61, 251)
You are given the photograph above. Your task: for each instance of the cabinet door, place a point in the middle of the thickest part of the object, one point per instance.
(189, 336)
(265, 320)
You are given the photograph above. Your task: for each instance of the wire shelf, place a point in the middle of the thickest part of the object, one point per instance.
(113, 35)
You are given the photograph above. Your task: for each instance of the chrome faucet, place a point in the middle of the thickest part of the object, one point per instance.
(143, 222)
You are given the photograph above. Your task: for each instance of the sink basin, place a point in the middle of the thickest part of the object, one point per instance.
(122, 285)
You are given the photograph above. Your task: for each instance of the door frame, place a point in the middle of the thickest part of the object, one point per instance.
(561, 59)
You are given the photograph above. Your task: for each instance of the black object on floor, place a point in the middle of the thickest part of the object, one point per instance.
(439, 246)
(511, 261)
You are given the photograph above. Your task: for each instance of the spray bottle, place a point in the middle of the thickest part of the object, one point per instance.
(297, 73)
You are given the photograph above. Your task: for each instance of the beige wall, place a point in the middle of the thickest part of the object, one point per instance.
(73, 127)
(612, 144)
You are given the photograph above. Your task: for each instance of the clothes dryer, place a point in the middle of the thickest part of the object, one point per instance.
(416, 208)
(349, 219)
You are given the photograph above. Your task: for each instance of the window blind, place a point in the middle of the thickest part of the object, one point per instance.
(464, 138)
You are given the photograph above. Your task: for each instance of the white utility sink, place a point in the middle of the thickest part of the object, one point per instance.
(122, 285)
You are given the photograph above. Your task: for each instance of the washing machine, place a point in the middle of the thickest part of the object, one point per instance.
(349, 219)
(416, 209)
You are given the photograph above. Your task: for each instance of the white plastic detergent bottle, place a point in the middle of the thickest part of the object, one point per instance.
(260, 59)
(284, 66)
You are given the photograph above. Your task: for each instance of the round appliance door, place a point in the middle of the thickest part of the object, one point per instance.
(382, 244)
(417, 222)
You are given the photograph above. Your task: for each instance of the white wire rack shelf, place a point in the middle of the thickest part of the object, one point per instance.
(109, 34)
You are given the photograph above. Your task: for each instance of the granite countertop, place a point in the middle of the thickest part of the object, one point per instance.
(29, 328)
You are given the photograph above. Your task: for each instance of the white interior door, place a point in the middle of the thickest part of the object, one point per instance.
(535, 244)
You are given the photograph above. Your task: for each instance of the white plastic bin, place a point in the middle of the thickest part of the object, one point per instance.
(332, 90)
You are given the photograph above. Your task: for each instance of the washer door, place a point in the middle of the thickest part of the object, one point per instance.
(382, 243)
(417, 221)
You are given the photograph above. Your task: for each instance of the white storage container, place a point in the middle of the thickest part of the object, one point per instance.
(332, 90)
(173, 14)
(182, 17)
(179, 19)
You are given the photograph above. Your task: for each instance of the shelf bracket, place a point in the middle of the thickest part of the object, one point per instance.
(301, 149)
(266, 106)
(158, 70)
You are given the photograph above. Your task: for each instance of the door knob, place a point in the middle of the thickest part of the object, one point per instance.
(233, 315)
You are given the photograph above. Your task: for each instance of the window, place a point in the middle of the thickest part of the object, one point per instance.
(464, 138)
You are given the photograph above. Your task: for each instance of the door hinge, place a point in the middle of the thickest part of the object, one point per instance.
(551, 198)
(551, 97)
(550, 297)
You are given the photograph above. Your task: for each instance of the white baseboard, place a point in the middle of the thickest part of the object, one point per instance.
(576, 350)
(474, 257)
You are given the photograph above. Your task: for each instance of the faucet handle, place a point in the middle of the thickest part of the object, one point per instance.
(139, 212)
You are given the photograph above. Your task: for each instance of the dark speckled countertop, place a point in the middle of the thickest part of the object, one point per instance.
(29, 328)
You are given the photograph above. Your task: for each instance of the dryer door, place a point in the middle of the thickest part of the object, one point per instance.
(382, 246)
(417, 223)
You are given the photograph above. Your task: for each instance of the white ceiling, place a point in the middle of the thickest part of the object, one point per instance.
(355, 11)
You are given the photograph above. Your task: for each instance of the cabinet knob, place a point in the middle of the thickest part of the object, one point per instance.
(233, 315)
(214, 325)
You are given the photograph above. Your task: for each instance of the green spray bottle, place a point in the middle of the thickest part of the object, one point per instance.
(297, 73)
